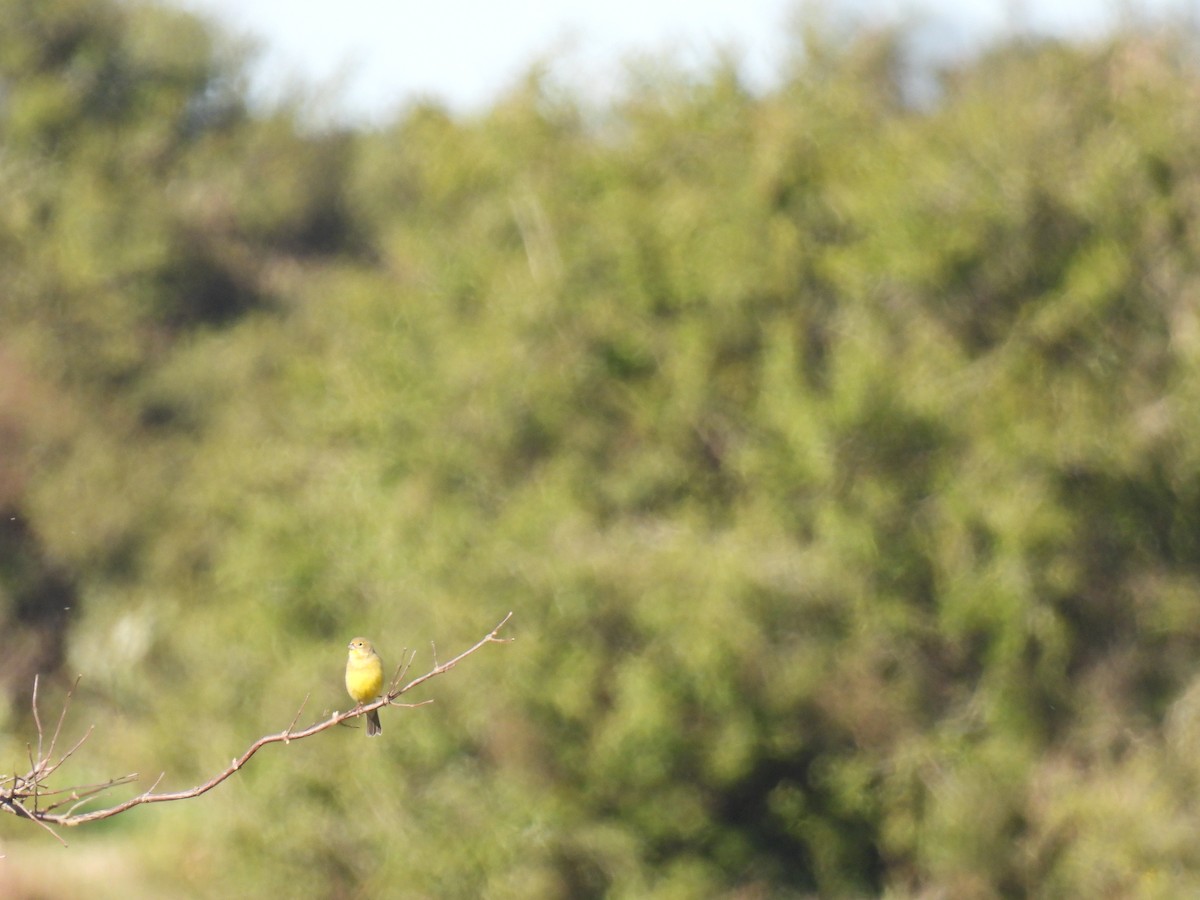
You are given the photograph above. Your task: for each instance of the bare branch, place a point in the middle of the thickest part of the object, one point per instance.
(17, 790)
(490, 638)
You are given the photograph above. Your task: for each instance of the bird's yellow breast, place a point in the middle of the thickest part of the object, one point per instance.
(364, 676)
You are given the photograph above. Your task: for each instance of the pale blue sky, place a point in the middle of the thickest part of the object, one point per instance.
(379, 54)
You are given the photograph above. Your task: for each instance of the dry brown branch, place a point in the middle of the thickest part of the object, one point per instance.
(22, 795)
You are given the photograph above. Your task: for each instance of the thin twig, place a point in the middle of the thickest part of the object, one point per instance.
(81, 795)
(49, 768)
(37, 719)
(296, 717)
(62, 717)
(406, 660)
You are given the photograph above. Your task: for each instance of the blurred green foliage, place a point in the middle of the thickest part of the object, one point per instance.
(836, 449)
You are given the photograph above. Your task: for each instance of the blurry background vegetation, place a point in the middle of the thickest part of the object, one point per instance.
(838, 449)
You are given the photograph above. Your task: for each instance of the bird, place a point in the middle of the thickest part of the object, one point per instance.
(364, 679)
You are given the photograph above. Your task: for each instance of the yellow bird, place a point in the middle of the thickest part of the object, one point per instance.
(364, 679)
